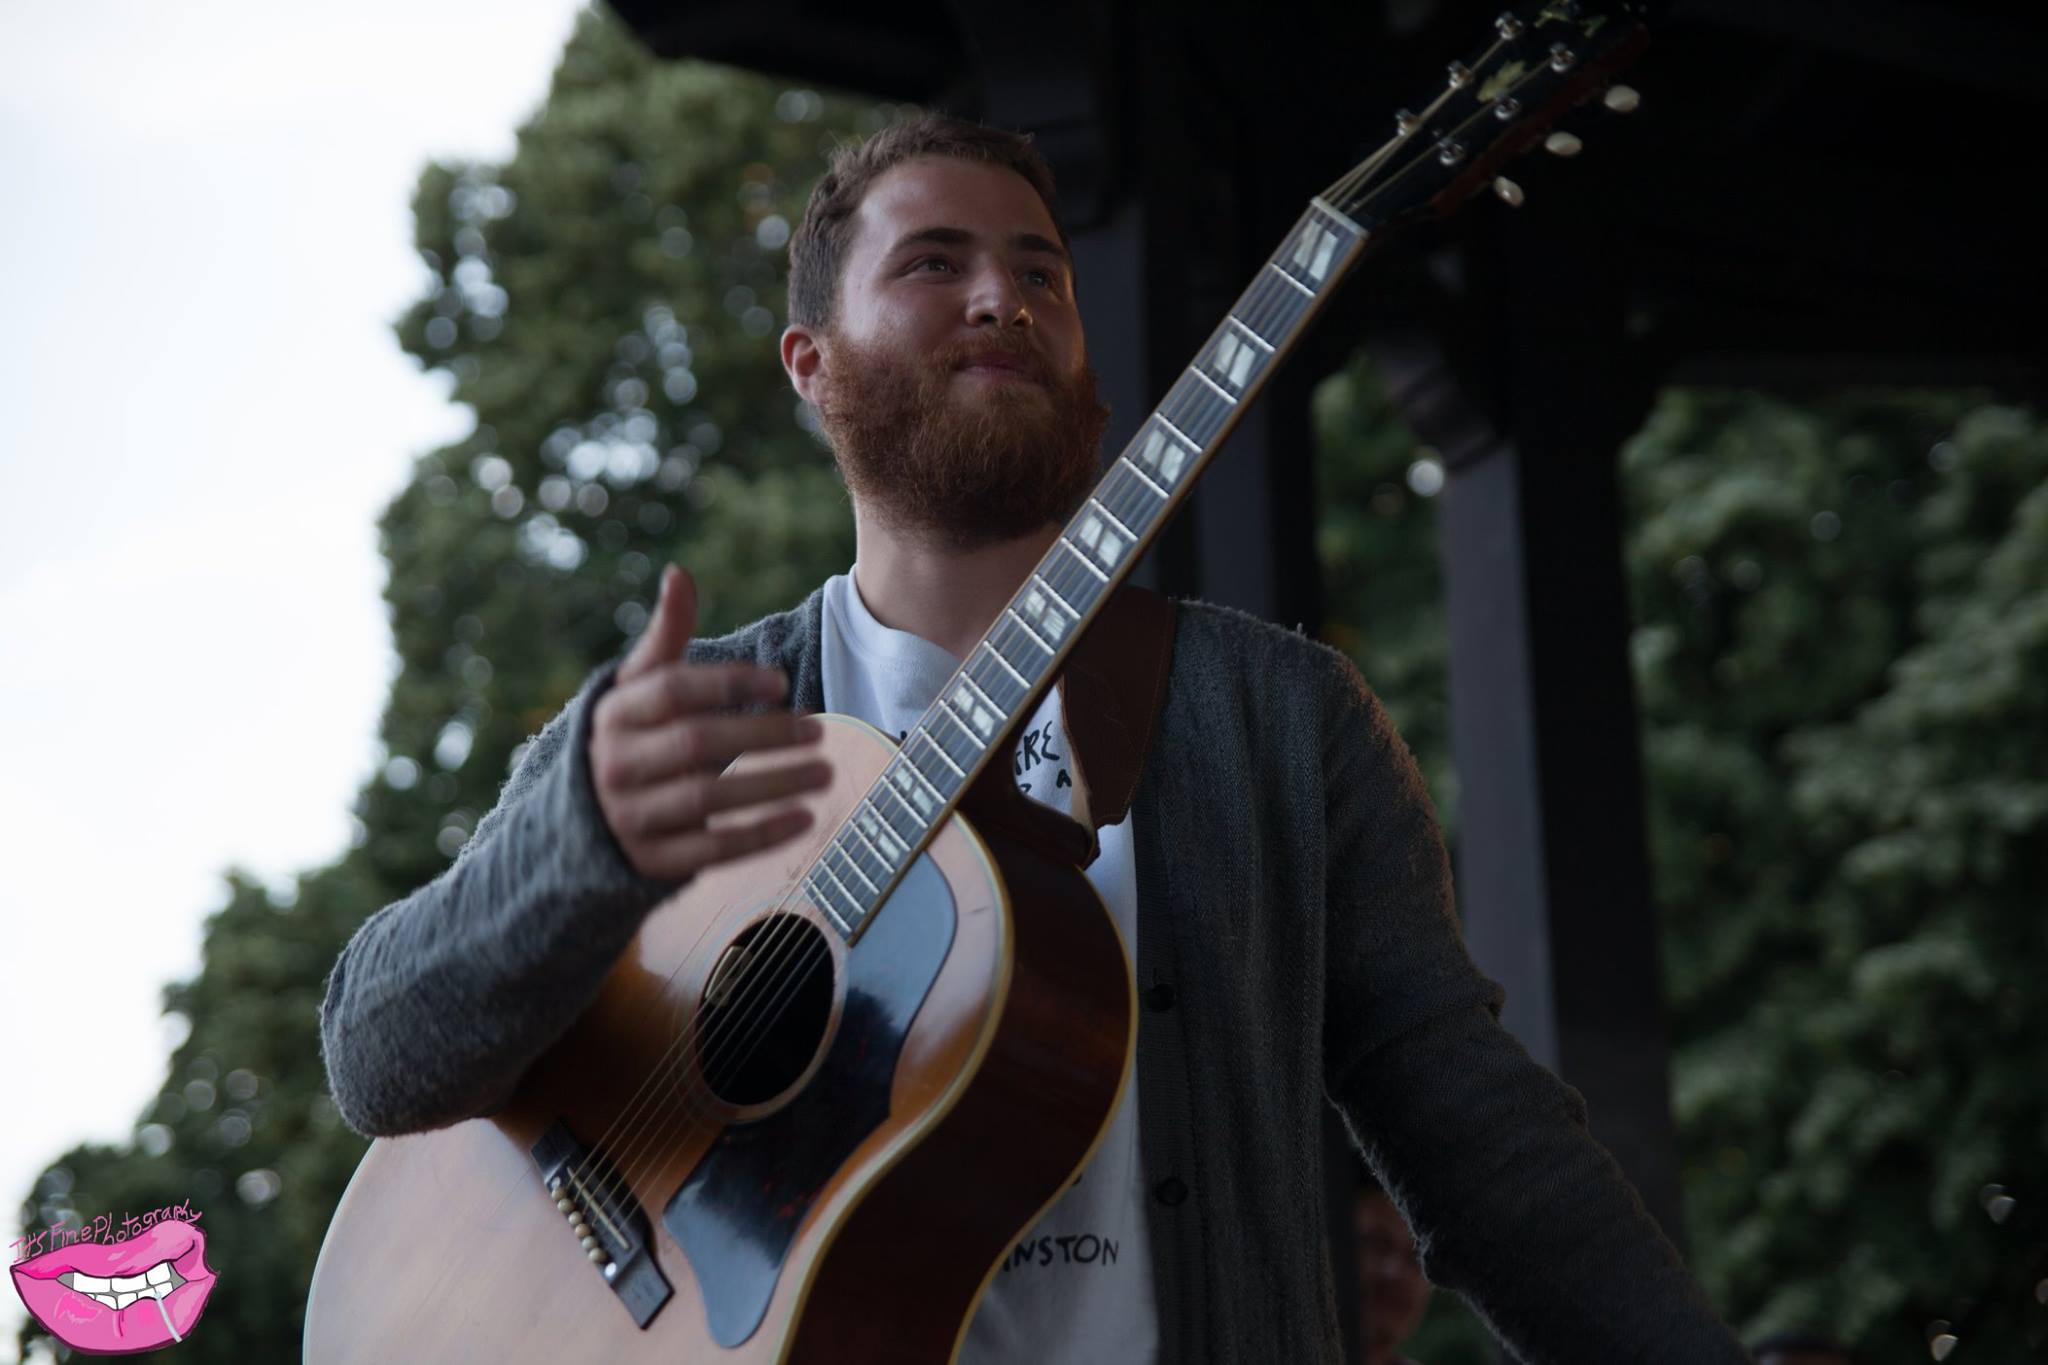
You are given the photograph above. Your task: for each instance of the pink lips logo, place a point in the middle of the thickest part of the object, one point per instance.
(114, 1298)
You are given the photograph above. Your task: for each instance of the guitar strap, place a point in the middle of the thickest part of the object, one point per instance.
(1111, 692)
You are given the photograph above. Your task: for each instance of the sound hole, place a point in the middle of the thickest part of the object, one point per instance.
(765, 1010)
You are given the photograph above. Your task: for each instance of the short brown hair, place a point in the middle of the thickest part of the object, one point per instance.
(818, 250)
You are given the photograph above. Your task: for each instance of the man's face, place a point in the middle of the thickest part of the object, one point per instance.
(952, 382)
(1390, 1275)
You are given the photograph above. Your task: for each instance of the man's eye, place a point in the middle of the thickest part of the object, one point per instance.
(933, 260)
(1042, 278)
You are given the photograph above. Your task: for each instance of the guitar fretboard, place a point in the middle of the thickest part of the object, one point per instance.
(1009, 669)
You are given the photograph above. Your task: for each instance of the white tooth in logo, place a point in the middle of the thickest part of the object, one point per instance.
(130, 1284)
(90, 1284)
(160, 1273)
(104, 1299)
(123, 1300)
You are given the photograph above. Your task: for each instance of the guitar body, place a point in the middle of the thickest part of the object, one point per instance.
(837, 1148)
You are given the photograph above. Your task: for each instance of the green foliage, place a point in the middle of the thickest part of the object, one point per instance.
(1376, 541)
(1845, 617)
(608, 303)
(1842, 623)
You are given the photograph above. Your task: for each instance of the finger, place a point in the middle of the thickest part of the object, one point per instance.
(702, 744)
(673, 626)
(717, 740)
(685, 854)
(677, 690)
(737, 791)
(688, 803)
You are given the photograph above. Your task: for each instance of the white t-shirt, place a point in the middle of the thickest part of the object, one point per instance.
(1077, 1287)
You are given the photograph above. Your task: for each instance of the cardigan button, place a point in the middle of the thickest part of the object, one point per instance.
(1170, 1191)
(1159, 998)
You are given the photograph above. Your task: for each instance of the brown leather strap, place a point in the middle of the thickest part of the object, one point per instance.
(1110, 698)
(1111, 692)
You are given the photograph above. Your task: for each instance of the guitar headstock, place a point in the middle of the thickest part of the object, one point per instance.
(1539, 64)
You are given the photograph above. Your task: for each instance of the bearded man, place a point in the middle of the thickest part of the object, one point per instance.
(1279, 872)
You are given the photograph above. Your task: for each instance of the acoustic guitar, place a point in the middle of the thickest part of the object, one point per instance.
(829, 1085)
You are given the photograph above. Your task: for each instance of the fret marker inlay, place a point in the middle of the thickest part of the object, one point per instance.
(912, 789)
(1095, 536)
(1324, 250)
(879, 834)
(967, 704)
(1042, 616)
(1161, 456)
(1233, 360)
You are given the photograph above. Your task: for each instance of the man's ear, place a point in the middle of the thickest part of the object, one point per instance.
(803, 360)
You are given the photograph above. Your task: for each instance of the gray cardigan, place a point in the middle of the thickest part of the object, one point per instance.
(1296, 946)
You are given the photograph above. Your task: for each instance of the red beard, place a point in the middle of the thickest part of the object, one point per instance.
(959, 463)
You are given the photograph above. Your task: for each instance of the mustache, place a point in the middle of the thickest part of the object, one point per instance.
(1013, 348)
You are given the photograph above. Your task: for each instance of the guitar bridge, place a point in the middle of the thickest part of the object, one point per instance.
(600, 1212)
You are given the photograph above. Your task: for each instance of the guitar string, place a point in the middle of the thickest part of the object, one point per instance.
(785, 935)
(768, 975)
(792, 976)
(1477, 116)
(736, 1016)
(809, 957)
(654, 1089)
(674, 1062)
(793, 934)
(634, 1112)
(761, 975)
(1362, 172)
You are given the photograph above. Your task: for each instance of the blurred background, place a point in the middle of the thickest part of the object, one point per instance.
(361, 370)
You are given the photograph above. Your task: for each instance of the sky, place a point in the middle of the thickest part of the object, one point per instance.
(205, 235)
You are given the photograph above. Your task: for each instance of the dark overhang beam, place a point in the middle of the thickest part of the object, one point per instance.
(903, 51)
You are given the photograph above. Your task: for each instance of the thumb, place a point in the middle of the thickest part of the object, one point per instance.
(672, 627)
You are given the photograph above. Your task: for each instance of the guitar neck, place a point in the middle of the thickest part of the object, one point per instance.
(1007, 672)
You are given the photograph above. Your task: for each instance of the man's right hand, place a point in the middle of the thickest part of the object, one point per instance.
(659, 743)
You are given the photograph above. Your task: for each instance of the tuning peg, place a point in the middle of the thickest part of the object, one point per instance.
(1563, 144)
(1622, 99)
(1510, 193)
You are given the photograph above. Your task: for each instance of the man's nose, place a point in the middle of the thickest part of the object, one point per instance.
(995, 300)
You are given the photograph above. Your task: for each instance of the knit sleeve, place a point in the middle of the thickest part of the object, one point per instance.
(1513, 1203)
(441, 1000)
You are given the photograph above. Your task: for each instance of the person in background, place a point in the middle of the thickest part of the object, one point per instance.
(1392, 1290)
(1801, 1348)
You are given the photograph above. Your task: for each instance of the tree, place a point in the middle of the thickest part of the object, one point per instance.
(607, 302)
(1842, 614)
(1841, 621)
